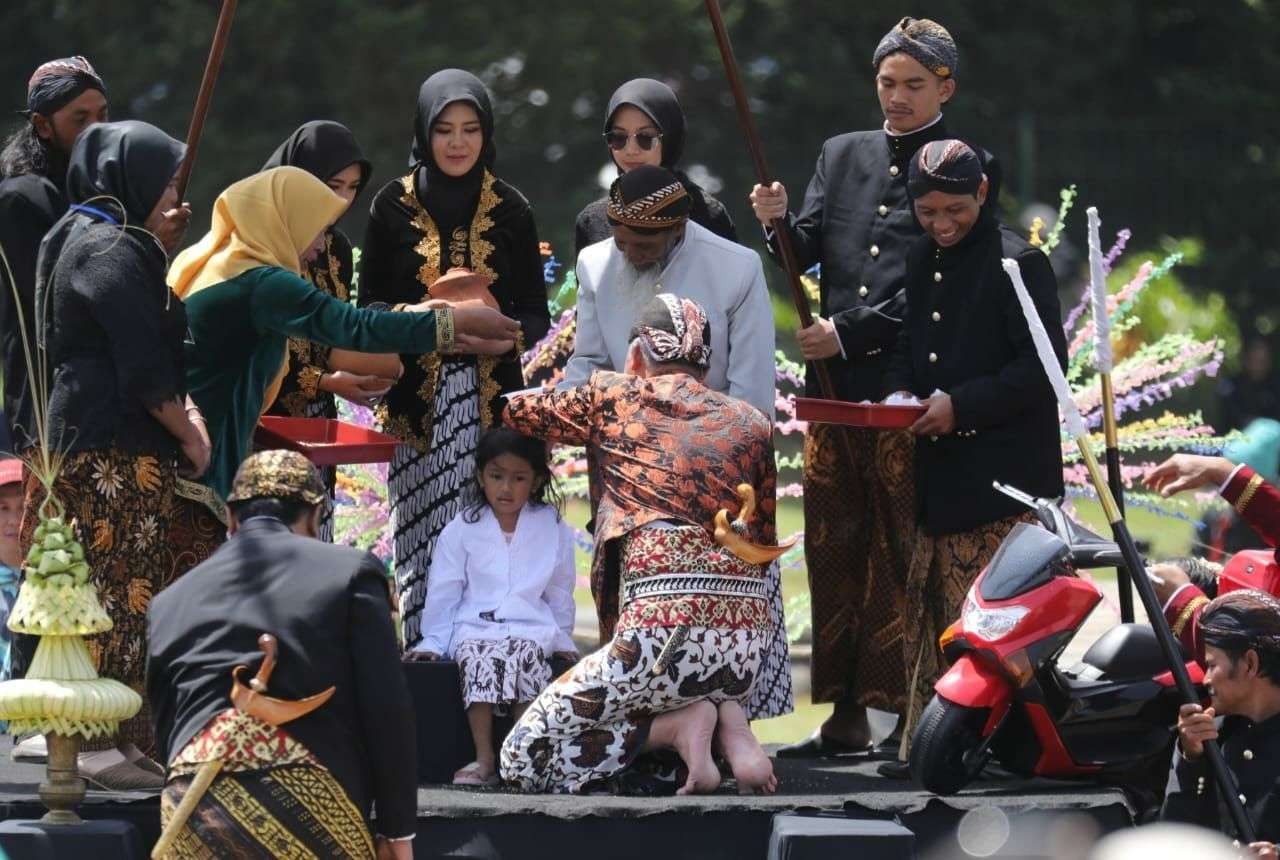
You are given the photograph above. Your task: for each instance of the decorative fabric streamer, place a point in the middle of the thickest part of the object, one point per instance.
(1070, 414)
(1102, 356)
(685, 343)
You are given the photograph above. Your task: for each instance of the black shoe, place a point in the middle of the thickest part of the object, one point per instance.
(894, 770)
(818, 746)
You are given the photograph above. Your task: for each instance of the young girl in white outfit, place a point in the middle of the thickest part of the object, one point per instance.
(500, 593)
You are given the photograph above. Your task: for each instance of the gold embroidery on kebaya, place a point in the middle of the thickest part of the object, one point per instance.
(430, 249)
(458, 248)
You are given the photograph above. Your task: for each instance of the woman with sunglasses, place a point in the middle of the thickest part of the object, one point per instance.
(645, 125)
(448, 211)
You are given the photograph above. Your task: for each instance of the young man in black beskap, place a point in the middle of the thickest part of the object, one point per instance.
(856, 222)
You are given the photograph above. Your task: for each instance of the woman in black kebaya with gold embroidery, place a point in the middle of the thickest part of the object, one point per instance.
(449, 211)
(328, 151)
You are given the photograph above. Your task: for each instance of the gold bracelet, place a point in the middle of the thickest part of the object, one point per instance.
(1247, 496)
(444, 330)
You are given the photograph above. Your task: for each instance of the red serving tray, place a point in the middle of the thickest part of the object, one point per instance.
(871, 415)
(325, 441)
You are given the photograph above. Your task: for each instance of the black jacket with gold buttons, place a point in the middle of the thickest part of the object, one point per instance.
(965, 334)
(856, 221)
(1252, 753)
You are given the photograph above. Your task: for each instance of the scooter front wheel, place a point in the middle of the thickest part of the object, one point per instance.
(948, 733)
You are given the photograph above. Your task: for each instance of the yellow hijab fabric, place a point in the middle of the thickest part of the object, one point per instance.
(268, 219)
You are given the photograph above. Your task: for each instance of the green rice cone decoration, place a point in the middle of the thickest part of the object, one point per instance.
(62, 692)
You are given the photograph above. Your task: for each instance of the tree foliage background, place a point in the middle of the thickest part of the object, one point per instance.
(1166, 114)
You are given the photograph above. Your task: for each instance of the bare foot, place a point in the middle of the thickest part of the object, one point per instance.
(694, 728)
(736, 742)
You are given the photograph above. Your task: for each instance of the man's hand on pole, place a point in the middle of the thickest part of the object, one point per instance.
(769, 203)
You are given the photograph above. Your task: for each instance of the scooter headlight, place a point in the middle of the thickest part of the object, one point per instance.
(992, 623)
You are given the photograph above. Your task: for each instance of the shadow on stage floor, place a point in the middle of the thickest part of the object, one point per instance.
(493, 824)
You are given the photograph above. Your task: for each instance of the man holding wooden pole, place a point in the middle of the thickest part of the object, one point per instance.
(860, 519)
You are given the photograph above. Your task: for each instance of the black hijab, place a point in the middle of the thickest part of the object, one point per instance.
(658, 101)
(322, 148)
(450, 200)
(131, 162)
(118, 173)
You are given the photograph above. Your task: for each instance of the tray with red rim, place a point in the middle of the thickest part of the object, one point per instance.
(325, 441)
(869, 415)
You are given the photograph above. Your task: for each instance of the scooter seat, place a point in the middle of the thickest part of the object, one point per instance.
(1127, 651)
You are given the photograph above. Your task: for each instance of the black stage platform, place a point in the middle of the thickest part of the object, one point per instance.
(482, 823)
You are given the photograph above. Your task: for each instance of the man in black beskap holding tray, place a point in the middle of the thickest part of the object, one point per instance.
(966, 351)
(856, 222)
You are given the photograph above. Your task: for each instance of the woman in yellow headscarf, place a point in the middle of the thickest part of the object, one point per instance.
(245, 297)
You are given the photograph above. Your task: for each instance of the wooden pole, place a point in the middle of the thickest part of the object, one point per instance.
(781, 232)
(205, 96)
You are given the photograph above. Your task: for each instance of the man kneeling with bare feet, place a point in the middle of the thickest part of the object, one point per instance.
(691, 607)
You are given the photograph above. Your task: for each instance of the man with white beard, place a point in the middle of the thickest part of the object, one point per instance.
(656, 248)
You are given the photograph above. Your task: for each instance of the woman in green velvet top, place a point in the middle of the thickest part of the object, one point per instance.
(245, 298)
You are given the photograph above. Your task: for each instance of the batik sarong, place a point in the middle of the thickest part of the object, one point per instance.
(426, 488)
(271, 798)
(942, 570)
(692, 628)
(501, 671)
(860, 528)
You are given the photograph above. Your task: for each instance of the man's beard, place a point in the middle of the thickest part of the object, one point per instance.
(640, 283)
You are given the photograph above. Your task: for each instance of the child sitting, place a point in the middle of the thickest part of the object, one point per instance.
(500, 590)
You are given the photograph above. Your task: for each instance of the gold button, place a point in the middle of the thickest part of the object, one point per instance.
(893, 170)
(937, 277)
(1248, 755)
(875, 250)
(862, 291)
(933, 358)
(883, 210)
(937, 317)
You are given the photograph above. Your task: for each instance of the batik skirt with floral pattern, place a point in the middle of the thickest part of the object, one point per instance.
(692, 628)
(501, 671)
(138, 537)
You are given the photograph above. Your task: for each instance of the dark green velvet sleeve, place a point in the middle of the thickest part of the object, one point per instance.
(285, 303)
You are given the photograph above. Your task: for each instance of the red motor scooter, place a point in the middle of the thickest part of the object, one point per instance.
(1109, 718)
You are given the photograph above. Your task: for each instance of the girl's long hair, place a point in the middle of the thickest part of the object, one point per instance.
(503, 440)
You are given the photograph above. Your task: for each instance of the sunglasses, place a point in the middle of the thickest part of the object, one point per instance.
(644, 139)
